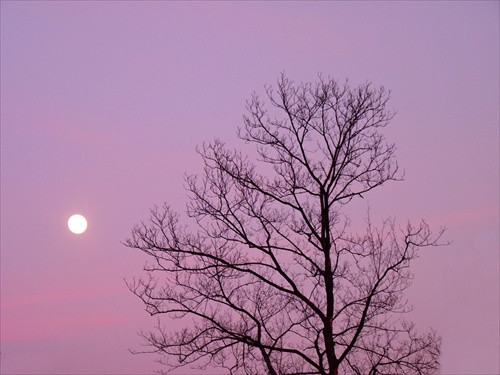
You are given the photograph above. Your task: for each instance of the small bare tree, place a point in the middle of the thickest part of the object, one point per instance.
(271, 280)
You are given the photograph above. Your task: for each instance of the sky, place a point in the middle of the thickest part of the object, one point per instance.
(103, 104)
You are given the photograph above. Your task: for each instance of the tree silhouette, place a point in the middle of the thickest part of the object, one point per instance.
(268, 277)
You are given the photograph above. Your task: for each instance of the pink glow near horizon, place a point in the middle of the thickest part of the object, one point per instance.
(103, 103)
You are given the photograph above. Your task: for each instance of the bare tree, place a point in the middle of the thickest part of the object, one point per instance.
(271, 280)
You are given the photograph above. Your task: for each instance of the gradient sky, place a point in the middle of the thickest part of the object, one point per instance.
(103, 103)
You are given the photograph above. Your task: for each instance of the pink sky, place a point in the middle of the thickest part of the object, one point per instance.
(103, 103)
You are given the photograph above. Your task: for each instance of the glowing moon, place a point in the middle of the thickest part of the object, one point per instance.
(77, 224)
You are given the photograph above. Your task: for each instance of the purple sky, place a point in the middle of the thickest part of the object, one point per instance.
(103, 103)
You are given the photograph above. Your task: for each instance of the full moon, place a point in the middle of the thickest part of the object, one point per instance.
(77, 224)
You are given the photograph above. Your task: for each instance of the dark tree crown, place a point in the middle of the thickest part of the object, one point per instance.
(271, 280)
